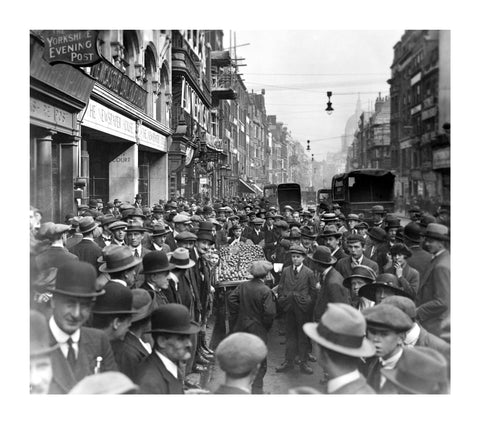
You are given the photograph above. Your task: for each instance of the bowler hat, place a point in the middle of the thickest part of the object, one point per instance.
(330, 231)
(392, 223)
(205, 226)
(413, 232)
(104, 383)
(307, 232)
(354, 238)
(157, 209)
(298, 249)
(110, 205)
(173, 318)
(207, 209)
(342, 328)
(360, 271)
(142, 304)
(400, 248)
(420, 370)
(403, 303)
(378, 234)
(260, 268)
(258, 221)
(156, 261)
(118, 258)
(116, 300)
(39, 338)
(437, 232)
(159, 230)
(384, 316)
(136, 227)
(378, 209)
(87, 224)
(76, 279)
(206, 236)
(415, 208)
(180, 258)
(323, 256)
(426, 219)
(240, 353)
(389, 281)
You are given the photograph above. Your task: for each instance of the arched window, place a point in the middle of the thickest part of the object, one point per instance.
(131, 52)
(151, 83)
(163, 99)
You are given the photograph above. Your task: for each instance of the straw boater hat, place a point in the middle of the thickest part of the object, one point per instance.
(180, 258)
(342, 328)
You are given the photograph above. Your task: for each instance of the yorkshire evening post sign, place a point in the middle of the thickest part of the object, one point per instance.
(75, 47)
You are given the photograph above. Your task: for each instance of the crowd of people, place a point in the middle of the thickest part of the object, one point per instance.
(122, 293)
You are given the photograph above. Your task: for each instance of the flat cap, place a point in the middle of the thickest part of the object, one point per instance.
(116, 225)
(260, 268)
(298, 249)
(49, 229)
(186, 236)
(258, 221)
(104, 383)
(181, 219)
(403, 303)
(387, 317)
(282, 224)
(240, 353)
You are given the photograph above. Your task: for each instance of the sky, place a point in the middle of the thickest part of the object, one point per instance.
(297, 68)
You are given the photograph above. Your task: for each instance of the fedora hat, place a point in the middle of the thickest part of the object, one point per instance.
(437, 232)
(87, 224)
(116, 300)
(323, 256)
(118, 258)
(330, 231)
(156, 261)
(205, 226)
(420, 370)
(400, 248)
(173, 318)
(76, 279)
(142, 304)
(378, 234)
(180, 258)
(159, 230)
(413, 232)
(39, 337)
(206, 236)
(105, 252)
(108, 219)
(307, 232)
(389, 281)
(360, 271)
(342, 328)
(136, 227)
(294, 233)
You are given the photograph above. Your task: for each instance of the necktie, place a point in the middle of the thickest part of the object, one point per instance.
(71, 354)
(136, 253)
(295, 270)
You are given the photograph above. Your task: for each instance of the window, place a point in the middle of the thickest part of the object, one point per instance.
(214, 123)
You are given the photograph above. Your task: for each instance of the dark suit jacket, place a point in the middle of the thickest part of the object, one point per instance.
(171, 242)
(379, 255)
(139, 277)
(158, 296)
(420, 260)
(430, 340)
(340, 254)
(433, 296)
(129, 354)
(356, 387)
(296, 291)
(344, 266)
(229, 390)
(331, 290)
(87, 251)
(92, 343)
(409, 280)
(154, 378)
(54, 257)
(252, 235)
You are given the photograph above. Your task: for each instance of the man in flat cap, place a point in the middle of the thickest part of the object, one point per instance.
(340, 337)
(118, 229)
(181, 223)
(239, 356)
(255, 232)
(433, 296)
(252, 309)
(87, 250)
(386, 329)
(83, 351)
(171, 331)
(296, 297)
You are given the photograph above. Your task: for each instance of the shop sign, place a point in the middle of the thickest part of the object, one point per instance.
(75, 47)
(103, 119)
(150, 138)
(416, 109)
(52, 115)
(441, 158)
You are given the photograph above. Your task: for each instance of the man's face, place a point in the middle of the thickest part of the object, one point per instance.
(70, 313)
(307, 242)
(247, 210)
(297, 259)
(177, 347)
(134, 238)
(356, 249)
(160, 279)
(362, 231)
(159, 240)
(119, 234)
(129, 277)
(137, 219)
(288, 212)
(357, 284)
(258, 227)
(382, 293)
(187, 244)
(269, 222)
(97, 232)
(237, 233)
(203, 246)
(351, 224)
(433, 246)
(377, 217)
(123, 325)
(214, 259)
(386, 341)
(332, 242)
(296, 216)
(40, 375)
(392, 232)
(181, 226)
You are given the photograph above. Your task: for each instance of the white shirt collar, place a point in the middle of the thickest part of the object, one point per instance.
(169, 365)
(61, 337)
(299, 267)
(412, 335)
(324, 273)
(139, 248)
(157, 247)
(391, 362)
(336, 383)
(123, 283)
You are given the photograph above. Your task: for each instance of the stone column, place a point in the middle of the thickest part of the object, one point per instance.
(159, 178)
(123, 171)
(68, 171)
(44, 185)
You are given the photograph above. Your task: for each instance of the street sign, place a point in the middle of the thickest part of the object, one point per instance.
(74, 47)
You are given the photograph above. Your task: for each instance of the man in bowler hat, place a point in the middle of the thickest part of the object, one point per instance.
(83, 351)
(171, 330)
(87, 250)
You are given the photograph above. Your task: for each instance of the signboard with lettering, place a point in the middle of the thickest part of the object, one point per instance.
(57, 118)
(75, 47)
(152, 139)
(441, 158)
(103, 119)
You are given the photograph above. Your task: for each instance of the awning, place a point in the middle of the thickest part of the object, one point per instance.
(244, 187)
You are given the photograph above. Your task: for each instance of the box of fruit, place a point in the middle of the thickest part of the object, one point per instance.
(235, 261)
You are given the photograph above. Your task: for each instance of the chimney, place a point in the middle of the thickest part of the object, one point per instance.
(263, 92)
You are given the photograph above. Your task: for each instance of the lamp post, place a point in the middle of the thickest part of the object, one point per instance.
(329, 108)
